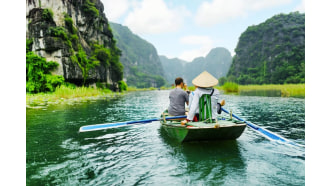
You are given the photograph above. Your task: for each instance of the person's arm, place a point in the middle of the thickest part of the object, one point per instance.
(185, 88)
(222, 102)
(194, 106)
(191, 98)
(186, 97)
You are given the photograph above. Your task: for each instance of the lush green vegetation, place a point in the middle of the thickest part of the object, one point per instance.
(38, 73)
(69, 92)
(78, 54)
(286, 90)
(122, 85)
(29, 43)
(230, 87)
(90, 9)
(85, 63)
(75, 92)
(48, 14)
(69, 24)
(142, 80)
(272, 52)
(65, 93)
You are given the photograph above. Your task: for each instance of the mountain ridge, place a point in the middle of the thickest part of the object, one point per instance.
(216, 62)
(139, 57)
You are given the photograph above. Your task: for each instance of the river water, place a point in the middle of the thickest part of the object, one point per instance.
(56, 154)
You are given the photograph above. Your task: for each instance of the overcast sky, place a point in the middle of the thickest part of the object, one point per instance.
(191, 28)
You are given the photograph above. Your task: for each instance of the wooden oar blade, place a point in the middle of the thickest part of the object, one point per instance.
(266, 133)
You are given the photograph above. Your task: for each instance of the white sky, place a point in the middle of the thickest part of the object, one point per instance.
(191, 28)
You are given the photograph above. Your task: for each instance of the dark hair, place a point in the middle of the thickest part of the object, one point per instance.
(178, 81)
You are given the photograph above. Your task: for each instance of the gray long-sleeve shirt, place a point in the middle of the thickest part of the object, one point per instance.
(178, 97)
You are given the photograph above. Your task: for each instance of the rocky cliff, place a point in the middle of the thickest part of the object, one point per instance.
(76, 34)
(271, 52)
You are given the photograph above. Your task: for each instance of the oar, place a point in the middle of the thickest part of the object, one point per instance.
(88, 128)
(268, 134)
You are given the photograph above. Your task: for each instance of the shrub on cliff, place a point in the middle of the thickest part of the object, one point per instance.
(48, 15)
(90, 9)
(38, 76)
(122, 86)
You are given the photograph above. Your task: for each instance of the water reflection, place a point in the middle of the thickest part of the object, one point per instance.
(208, 162)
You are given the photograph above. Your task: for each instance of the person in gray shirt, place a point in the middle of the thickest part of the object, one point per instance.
(177, 99)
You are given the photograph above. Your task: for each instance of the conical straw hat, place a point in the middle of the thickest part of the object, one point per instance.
(205, 80)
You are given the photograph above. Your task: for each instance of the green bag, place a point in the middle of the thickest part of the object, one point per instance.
(205, 108)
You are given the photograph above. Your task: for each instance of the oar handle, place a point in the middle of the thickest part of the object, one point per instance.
(174, 117)
(95, 127)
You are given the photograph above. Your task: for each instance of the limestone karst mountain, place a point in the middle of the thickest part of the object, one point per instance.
(76, 35)
(216, 62)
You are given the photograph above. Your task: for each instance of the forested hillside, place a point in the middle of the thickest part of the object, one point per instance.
(272, 52)
(174, 68)
(216, 62)
(139, 57)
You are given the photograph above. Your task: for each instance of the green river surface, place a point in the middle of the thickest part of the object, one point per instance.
(57, 154)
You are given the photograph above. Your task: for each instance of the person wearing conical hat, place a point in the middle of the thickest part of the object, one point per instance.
(204, 83)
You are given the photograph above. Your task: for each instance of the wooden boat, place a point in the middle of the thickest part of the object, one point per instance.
(223, 129)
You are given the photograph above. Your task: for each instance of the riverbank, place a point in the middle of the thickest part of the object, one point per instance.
(286, 90)
(67, 95)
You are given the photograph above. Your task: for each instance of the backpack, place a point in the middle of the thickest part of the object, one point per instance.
(205, 107)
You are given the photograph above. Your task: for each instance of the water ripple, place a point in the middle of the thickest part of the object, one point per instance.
(143, 155)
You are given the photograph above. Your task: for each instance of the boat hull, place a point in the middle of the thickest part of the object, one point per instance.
(204, 132)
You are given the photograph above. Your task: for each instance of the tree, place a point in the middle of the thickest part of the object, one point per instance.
(222, 81)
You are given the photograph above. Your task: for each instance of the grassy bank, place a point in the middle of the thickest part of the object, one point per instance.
(63, 93)
(286, 90)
